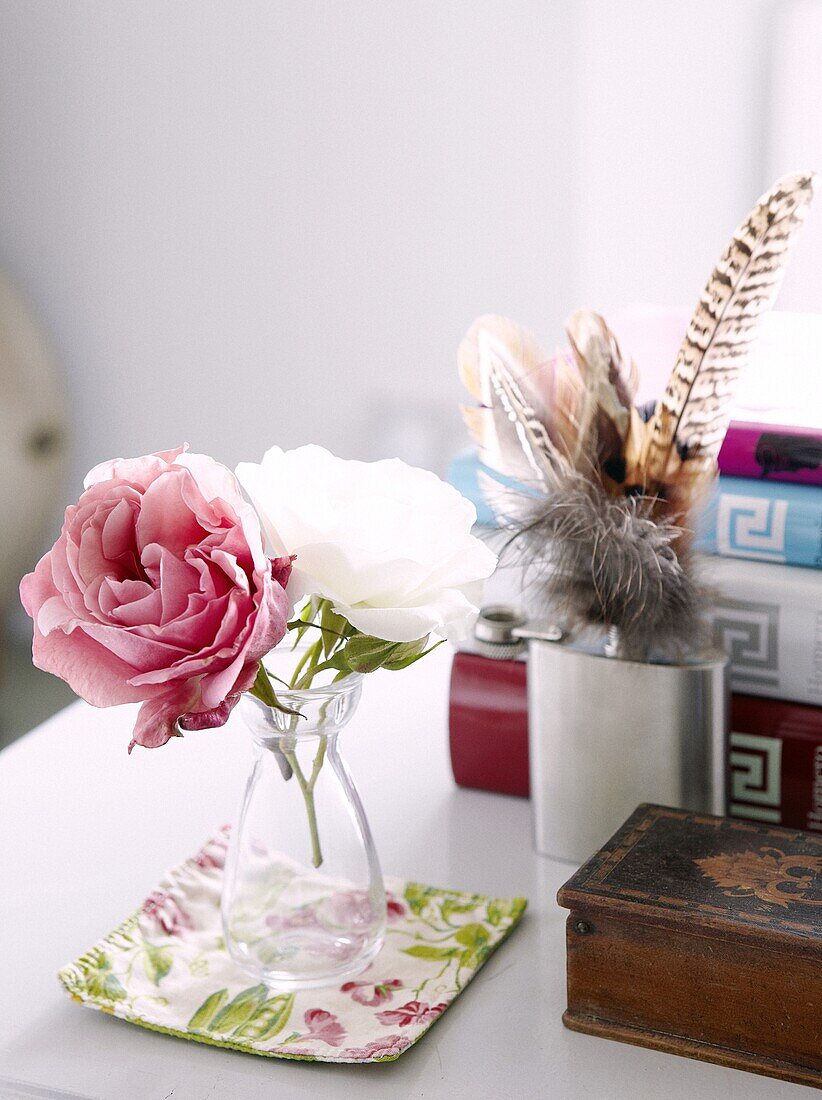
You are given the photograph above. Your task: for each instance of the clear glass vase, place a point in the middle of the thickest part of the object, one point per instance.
(303, 898)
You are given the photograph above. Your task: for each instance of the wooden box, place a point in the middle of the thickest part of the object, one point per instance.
(701, 936)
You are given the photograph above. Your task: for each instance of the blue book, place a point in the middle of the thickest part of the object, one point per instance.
(762, 520)
(462, 474)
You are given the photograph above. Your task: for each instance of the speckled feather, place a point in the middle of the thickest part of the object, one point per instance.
(606, 512)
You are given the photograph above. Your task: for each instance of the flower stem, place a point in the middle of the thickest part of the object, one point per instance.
(300, 665)
(307, 788)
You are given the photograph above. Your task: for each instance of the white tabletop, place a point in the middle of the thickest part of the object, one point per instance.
(87, 831)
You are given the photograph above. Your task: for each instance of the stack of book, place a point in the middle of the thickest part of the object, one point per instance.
(760, 538)
(763, 532)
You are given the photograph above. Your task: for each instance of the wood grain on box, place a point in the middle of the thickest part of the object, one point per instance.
(701, 936)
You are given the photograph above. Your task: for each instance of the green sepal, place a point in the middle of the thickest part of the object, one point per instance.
(263, 689)
(409, 653)
(366, 654)
(305, 619)
(333, 627)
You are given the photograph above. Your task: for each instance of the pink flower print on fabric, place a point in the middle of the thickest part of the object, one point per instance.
(372, 993)
(389, 1046)
(166, 913)
(413, 1012)
(324, 1026)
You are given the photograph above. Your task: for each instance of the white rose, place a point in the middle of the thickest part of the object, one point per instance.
(389, 544)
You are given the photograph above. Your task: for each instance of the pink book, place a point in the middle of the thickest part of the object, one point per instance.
(779, 453)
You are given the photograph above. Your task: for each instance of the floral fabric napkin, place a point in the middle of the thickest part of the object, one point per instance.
(166, 968)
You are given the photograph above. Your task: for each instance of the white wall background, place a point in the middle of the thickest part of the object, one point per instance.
(264, 222)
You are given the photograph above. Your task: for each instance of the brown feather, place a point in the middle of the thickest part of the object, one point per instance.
(691, 419)
(610, 387)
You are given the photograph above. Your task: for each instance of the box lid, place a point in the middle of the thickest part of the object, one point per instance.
(671, 867)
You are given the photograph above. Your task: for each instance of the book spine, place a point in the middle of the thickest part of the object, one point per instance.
(776, 453)
(763, 521)
(488, 724)
(768, 619)
(775, 763)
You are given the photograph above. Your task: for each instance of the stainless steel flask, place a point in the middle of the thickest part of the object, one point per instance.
(606, 734)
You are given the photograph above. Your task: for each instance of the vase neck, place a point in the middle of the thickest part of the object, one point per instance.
(317, 712)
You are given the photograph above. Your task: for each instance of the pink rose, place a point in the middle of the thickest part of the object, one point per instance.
(158, 590)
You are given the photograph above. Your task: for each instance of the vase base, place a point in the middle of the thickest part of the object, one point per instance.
(283, 981)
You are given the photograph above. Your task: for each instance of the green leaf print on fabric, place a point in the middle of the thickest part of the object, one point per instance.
(499, 909)
(249, 1016)
(157, 962)
(425, 951)
(240, 1010)
(475, 938)
(456, 906)
(436, 940)
(269, 1019)
(202, 1018)
(418, 896)
(100, 981)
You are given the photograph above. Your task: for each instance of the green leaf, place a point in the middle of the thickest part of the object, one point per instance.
(269, 1019)
(202, 1018)
(472, 935)
(157, 961)
(240, 1010)
(426, 951)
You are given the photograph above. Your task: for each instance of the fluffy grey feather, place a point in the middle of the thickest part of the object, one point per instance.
(602, 561)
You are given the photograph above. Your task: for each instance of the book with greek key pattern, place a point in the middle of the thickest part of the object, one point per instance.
(768, 618)
(766, 521)
(758, 520)
(775, 762)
